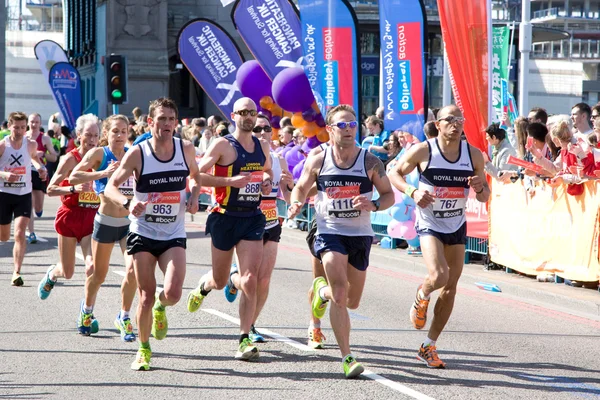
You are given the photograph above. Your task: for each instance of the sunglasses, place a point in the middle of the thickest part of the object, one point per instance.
(344, 125)
(453, 120)
(259, 129)
(245, 113)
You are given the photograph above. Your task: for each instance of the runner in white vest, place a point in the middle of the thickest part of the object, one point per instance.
(448, 167)
(17, 153)
(345, 175)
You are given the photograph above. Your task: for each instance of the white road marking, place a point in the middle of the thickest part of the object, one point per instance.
(367, 373)
(41, 239)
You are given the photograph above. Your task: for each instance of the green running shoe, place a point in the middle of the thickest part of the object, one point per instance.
(160, 325)
(247, 351)
(352, 368)
(318, 305)
(195, 300)
(142, 360)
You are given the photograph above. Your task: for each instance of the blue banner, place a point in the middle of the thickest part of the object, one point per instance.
(369, 65)
(272, 31)
(65, 84)
(403, 33)
(213, 59)
(331, 52)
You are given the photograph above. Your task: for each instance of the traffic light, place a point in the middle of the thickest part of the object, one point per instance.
(116, 79)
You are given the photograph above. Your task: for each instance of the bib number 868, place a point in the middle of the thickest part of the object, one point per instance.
(253, 188)
(162, 209)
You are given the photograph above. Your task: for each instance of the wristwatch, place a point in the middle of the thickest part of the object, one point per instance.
(72, 189)
(376, 204)
(126, 203)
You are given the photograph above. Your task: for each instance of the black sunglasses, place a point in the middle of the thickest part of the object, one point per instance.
(245, 113)
(259, 129)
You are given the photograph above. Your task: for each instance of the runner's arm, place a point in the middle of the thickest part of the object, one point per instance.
(268, 168)
(51, 154)
(91, 160)
(190, 158)
(65, 166)
(208, 161)
(380, 181)
(407, 164)
(286, 179)
(126, 168)
(35, 160)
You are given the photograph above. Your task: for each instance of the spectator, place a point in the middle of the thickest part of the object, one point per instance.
(67, 139)
(222, 129)
(430, 130)
(379, 112)
(4, 131)
(143, 119)
(285, 122)
(502, 150)
(375, 127)
(595, 134)
(199, 125)
(131, 136)
(435, 113)
(187, 133)
(206, 139)
(286, 136)
(593, 117)
(538, 114)
(538, 133)
(580, 115)
(393, 148)
(520, 127)
(298, 137)
(137, 113)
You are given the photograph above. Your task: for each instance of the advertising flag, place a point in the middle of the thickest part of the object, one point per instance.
(65, 84)
(500, 42)
(465, 34)
(212, 58)
(48, 53)
(331, 52)
(272, 31)
(403, 33)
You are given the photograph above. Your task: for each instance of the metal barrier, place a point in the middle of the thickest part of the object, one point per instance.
(476, 246)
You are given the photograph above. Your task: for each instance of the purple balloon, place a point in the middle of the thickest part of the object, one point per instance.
(266, 113)
(312, 142)
(291, 90)
(309, 115)
(297, 172)
(320, 120)
(275, 121)
(285, 150)
(252, 81)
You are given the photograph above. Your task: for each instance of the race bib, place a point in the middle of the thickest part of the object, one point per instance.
(269, 209)
(126, 188)
(449, 202)
(88, 200)
(251, 192)
(339, 201)
(21, 171)
(162, 208)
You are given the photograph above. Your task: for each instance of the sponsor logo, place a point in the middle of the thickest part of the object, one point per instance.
(449, 192)
(160, 220)
(16, 160)
(465, 164)
(345, 214)
(358, 171)
(448, 214)
(342, 192)
(179, 164)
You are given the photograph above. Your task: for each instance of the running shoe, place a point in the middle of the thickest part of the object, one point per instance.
(125, 328)
(195, 299)
(160, 326)
(414, 251)
(352, 368)
(46, 284)
(230, 290)
(39, 214)
(316, 339)
(16, 279)
(418, 311)
(95, 325)
(142, 360)
(428, 354)
(84, 323)
(247, 351)
(318, 305)
(32, 238)
(255, 337)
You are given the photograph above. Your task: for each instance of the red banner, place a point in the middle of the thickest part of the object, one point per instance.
(465, 35)
(477, 217)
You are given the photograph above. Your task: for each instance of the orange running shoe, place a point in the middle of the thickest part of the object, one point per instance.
(430, 357)
(418, 311)
(316, 339)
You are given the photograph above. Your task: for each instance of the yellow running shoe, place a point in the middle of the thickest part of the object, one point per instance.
(352, 368)
(318, 305)
(194, 300)
(142, 360)
(160, 326)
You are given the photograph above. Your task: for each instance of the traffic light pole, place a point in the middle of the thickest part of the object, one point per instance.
(115, 109)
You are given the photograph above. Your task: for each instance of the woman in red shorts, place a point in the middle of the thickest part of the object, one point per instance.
(75, 217)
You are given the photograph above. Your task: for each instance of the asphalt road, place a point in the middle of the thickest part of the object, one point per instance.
(532, 341)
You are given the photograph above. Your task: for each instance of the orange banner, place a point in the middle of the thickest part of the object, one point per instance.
(465, 35)
(549, 231)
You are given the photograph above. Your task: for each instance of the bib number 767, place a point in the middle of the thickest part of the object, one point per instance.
(447, 204)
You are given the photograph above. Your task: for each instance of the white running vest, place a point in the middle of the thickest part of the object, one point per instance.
(268, 204)
(162, 183)
(17, 162)
(448, 181)
(336, 188)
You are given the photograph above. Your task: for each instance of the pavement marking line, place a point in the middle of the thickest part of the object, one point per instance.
(367, 374)
(41, 239)
(121, 273)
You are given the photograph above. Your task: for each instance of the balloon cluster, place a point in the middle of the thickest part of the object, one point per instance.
(289, 95)
(402, 225)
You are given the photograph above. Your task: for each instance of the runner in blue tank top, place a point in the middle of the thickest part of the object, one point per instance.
(242, 171)
(448, 167)
(345, 175)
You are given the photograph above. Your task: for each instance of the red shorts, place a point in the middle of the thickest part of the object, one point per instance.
(75, 222)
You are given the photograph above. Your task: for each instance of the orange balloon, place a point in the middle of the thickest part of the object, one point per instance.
(275, 134)
(288, 114)
(310, 129)
(265, 102)
(276, 110)
(323, 136)
(298, 121)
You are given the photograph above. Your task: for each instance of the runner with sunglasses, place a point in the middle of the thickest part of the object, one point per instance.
(448, 166)
(242, 171)
(282, 179)
(345, 175)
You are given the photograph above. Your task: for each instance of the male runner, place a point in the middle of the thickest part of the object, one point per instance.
(282, 179)
(241, 167)
(17, 153)
(345, 175)
(160, 166)
(45, 152)
(448, 166)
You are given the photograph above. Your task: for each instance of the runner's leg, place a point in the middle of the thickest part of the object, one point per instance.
(173, 264)
(250, 255)
(86, 249)
(221, 265)
(336, 267)
(129, 283)
(101, 253)
(65, 268)
(144, 264)
(437, 267)
(265, 272)
(317, 270)
(20, 242)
